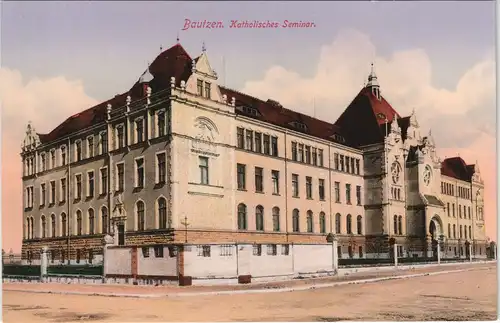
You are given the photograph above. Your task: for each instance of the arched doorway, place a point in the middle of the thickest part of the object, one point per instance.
(435, 232)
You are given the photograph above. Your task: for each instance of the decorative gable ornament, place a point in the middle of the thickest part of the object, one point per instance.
(31, 139)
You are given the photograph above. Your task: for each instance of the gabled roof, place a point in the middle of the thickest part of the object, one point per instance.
(363, 122)
(456, 167)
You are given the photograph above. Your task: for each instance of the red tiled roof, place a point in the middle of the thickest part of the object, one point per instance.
(456, 167)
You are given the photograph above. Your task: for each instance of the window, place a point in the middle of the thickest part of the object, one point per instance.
(309, 219)
(470, 232)
(294, 151)
(395, 224)
(161, 123)
(295, 221)
(53, 225)
(139, 173)
(453, 209)
(259, 179)
(203, 170)
(339, 252)
(276, 219)
(338, 219)
(272, 250)
(295, 185)
(274, 146)
(468, 211)
(90, 147)
(341, 168)
(308, 187)
(454, 231)
(42, 162)
(266, 144)
(240, 138)
(64, 224)
(120, 178)
(461, 232)
(42, 194)
(400, 225)
(257, 250)
(158, 250)
(358, 195)
(242, 217)
(322, 222)
(204, 251)
(359, 224)
(53, 158)
(52, 192)
(336, 160)
(162, 213)
(285, 249)
(258, 142)
(459, 211)
(79, 226)
(78, 188)
(347, 165)
(145, 252)
(105, 219)
(199, 87)
(140, 215)
(314, 156)
(275, 175)
(44, 227)
(91, 222)
(259, 218)
(207, 90)
(103, 137)
(360, 251)
(321, 189)
(78, 255)
(63, 155)
(349, 224)
(308, 154)
(449, 230)
(301, 153)
(352, 165)
(78, 150)
(337, 192)
(320, 157)
(139, 130)
(241, 176)
(249, 140)
(104, 181)
(161, 168)
(90, 187)
(448, 208)
(348, 193)
(120, 136)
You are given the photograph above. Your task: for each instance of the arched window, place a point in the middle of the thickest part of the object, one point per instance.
(449, 230)
(91, 221)
(242, 216)
(53, 225)
(470, 232)
(64, 224)
(104, 219)
(338, 219)
(310, 221)
(461, 232)
(259, 218)
(454, 231)
(27, 229)
(79, 227)
(359, 224)
(349, 224)
(162, 213)
(400, 225)
(140, 215)
(322, 222)
(395, 224)
(276, 219)
(44, 226)
(32, 227)
(295, 220)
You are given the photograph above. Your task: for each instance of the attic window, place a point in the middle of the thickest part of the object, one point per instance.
(338, 138)
(249, 110)
(275, 103)
(299, 125)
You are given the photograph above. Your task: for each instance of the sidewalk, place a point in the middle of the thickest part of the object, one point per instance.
(172, 291)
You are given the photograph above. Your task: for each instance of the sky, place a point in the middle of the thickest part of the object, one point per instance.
(58, 58)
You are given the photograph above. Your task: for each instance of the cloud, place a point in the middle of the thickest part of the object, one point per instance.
(462, 119)
(45, 102)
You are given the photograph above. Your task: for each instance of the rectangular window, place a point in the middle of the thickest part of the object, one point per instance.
(308, 154)
(53, 159)
(267, 144)
(160, 123)
(352, 166)
(276, 181)
(258, 142)
(241, 176)
(337, 192)
(90, 147)
(158, 250)
(259, 179)
(78, 188)
(139, 173)
(208, 90)
(42, 194)
(257, 250)
(63, 156)
(336, 161)
(249, 140)
(226, 250)
(120, 137)
(285, 249)
(357, 166)
(348, 193)
(240, 138)
(139, 128)
(120, 178)
(341, 168)
(104, 142)
(274, 146)
(294, 151)
(161, 171)
(63, 190)
(308, 187)
(52, 192)
(314, 156)
(78, 151)
(301, 153)
(347, 165)
(320, 157)
(199, 87)
(104, 181)
(90, 186)
(203, 164)
(321, 189)
(204, 251)
(272, 250)
(42, 162)
(145, 252)
(358, 195)
(295, 185)
(453, 209)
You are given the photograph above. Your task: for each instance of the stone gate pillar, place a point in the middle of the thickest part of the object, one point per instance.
(43, 264)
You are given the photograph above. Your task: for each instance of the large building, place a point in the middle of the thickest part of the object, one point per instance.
(179, 158)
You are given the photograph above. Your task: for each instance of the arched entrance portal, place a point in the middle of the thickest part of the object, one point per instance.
(435, 231)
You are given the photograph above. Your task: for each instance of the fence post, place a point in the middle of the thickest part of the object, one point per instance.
(335, 256)
(395, 252)
(43, 264)
(108, 241)
(470, 252)
(439, 252)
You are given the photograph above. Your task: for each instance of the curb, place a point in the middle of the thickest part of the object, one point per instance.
(250, 291)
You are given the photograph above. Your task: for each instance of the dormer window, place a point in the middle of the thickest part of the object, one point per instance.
(299, 126)
(200, 87)
(249, 110)
(376, 92)
(208, 90)
(338, 138)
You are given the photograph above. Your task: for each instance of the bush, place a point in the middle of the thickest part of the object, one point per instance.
(75, 270)
(21, 270)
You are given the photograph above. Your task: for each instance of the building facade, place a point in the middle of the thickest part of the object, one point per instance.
(180, 159)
